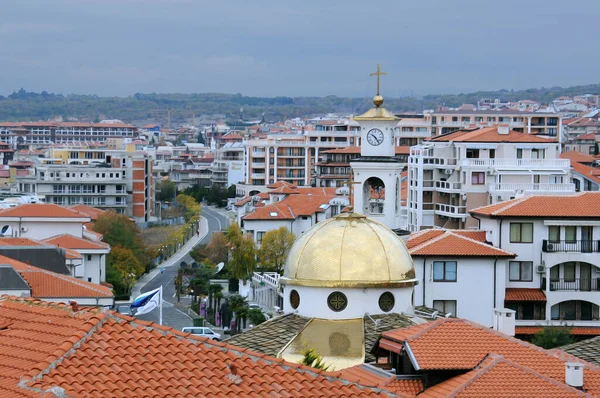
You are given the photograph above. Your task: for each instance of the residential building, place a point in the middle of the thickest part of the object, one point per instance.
(22, 134)
(228, 166)
(190, 171)
(584, 143)
(6, 153)
(555, 277)
(575, 128)
(453, 173)
(459, 273)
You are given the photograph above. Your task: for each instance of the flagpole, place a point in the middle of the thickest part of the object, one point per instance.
(160, 305)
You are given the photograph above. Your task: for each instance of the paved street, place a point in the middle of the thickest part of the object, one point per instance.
(212, 220)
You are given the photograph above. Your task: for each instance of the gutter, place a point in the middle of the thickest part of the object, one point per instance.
(495, 261)
(411, 356)
(424, 284)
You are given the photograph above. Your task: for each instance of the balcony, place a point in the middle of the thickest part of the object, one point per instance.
(537, 163)
(451, 210)
(508, 187)
(573, 246)
(258, 154)
(258, 165)
(573, 285)
(445, 186)
(258, 175)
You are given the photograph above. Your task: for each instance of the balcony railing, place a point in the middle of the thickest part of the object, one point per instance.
(573, 285)
(571, 246)
(569, 187)
(517, 162)
(447, 186)
(450, 210)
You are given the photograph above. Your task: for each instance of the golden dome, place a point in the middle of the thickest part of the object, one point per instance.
(378, 100)
(349, 250)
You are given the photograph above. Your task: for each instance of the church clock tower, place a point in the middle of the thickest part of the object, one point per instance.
(376, 190)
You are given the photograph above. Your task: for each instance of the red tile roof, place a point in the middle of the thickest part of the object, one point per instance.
(47, 284)
(524, 294)
(580, 205)
(98, 353)
(72, 242)
(41, 210)
(442, 242)
(281, 184)
(70, 254)
(88, 211)
(490, 134)
(291, 207)
(367, 375)
(575, 330)
(591, 173)
(579, 157)
(500, 377)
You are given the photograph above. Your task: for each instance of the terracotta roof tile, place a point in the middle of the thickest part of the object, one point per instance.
(580, 205)
(490, 134)
(368, 375)
(88, 211)
(70, 254)
(290, 208)
(41, 210)
(48, 284)
(281, 184)
(441, 242)
(591, 173)
(524, 294)
(575, 330)
(92, 353)
(72, 242)
(499, 377)
(578, 157)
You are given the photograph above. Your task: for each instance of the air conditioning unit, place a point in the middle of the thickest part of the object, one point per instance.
(448, 171)
(490, 172)
(541, 269)
(23, 229)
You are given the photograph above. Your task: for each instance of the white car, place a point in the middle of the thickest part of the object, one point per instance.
(201, 331)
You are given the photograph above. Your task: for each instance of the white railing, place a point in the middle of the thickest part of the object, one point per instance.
(517, 162)
(514, 187)
(447, 186)
(267, 278)
(450, 210)
(258, 154)
(259, 165)
(258, 175)
(284, 143)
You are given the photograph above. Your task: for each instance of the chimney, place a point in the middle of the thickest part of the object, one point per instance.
(74, 306)
(503, 129)
(574, 374)
(504, 321)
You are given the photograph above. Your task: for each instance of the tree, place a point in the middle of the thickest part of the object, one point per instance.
(126, 264)
(165, 191)
(217, 250)
(119, 230)
(243, 258)
(275, 247)
(553, 336)
(311, 358)
(239, 306)
(201, 138)
(256, 316)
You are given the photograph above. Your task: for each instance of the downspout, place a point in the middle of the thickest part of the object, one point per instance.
(20, 219)
(500, 234)
(495, 261)
(478, 221)
(424, 262)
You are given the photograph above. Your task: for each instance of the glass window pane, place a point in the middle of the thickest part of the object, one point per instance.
(514, 271)
(527, 233)
(451, 307)
(527, 271)
(570, 234)
(515, 232)
(569, 272)
(438, 270)
(554, 275)
(567, 310)
(555, 312)
(451, 270)
(554, 234)
(438, 305)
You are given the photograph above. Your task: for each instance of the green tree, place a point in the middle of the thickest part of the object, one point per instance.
(119, 230)
(274, 249)
(256, 316)
(201, 138)
(126, 264)
(553, 336)
(243, 258)
(217, 249)
(165, 191)
(311, 358)
(238, 306)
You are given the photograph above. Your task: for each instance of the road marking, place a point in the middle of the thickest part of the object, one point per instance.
(215, 217)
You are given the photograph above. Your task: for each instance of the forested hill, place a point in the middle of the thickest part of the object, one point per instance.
(28, 106)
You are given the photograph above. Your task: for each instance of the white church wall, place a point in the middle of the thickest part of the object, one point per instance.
(313, 301)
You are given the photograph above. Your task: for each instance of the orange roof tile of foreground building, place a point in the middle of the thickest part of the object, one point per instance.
(580, 205)
(47, 349)
(442, 242)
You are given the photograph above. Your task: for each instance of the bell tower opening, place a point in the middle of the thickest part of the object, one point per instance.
(373, 196)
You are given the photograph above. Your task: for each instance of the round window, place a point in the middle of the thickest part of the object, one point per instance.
(337, 301)
(386, 302)
(294, 299)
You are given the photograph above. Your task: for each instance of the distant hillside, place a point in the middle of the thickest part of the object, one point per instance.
(28, 106)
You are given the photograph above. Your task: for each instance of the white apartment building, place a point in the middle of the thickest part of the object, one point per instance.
(454, 173)
(19, 134)
(555, 277)
(228, 166)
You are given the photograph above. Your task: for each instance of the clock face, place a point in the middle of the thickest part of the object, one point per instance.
(375, 137)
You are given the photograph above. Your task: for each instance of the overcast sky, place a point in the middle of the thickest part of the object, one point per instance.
(308, 47)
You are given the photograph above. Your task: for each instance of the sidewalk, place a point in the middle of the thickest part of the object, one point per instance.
(173, 260)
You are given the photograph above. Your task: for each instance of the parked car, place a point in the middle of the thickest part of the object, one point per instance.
(201, 331)
(124, 309)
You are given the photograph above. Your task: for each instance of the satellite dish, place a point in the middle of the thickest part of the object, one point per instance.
(220, 266)
(6, 230)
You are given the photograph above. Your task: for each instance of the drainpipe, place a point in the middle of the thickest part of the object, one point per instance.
(500, 234)
(495, 261)
(424, 263)
(20, 218)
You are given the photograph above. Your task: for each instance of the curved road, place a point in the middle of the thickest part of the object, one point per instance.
(216, 221)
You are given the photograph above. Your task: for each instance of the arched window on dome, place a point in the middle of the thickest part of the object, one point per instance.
(337, 301)
(374, 195)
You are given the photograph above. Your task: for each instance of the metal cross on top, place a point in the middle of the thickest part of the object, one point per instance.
(378, 74)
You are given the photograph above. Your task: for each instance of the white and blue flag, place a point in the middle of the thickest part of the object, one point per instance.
(146, 302)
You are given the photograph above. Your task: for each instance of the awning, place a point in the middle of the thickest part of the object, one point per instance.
(575, 330)
(524, 294)
(390, 345)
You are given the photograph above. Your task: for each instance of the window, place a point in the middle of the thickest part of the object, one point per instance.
(337, 301)
(445, 306)
(554, 234)
(521, 232)
(89, 257)
(571, 234)
(492, 153)
(294, 299)
(520, 271)
(444, 271)
(386, 302)
(519, 154)
(472, 153)
(478, 178)
(259, 236)
(574, 310)
(569, 272)
(554, 273)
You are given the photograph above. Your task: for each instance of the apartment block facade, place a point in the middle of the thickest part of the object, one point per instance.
(22, 134)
